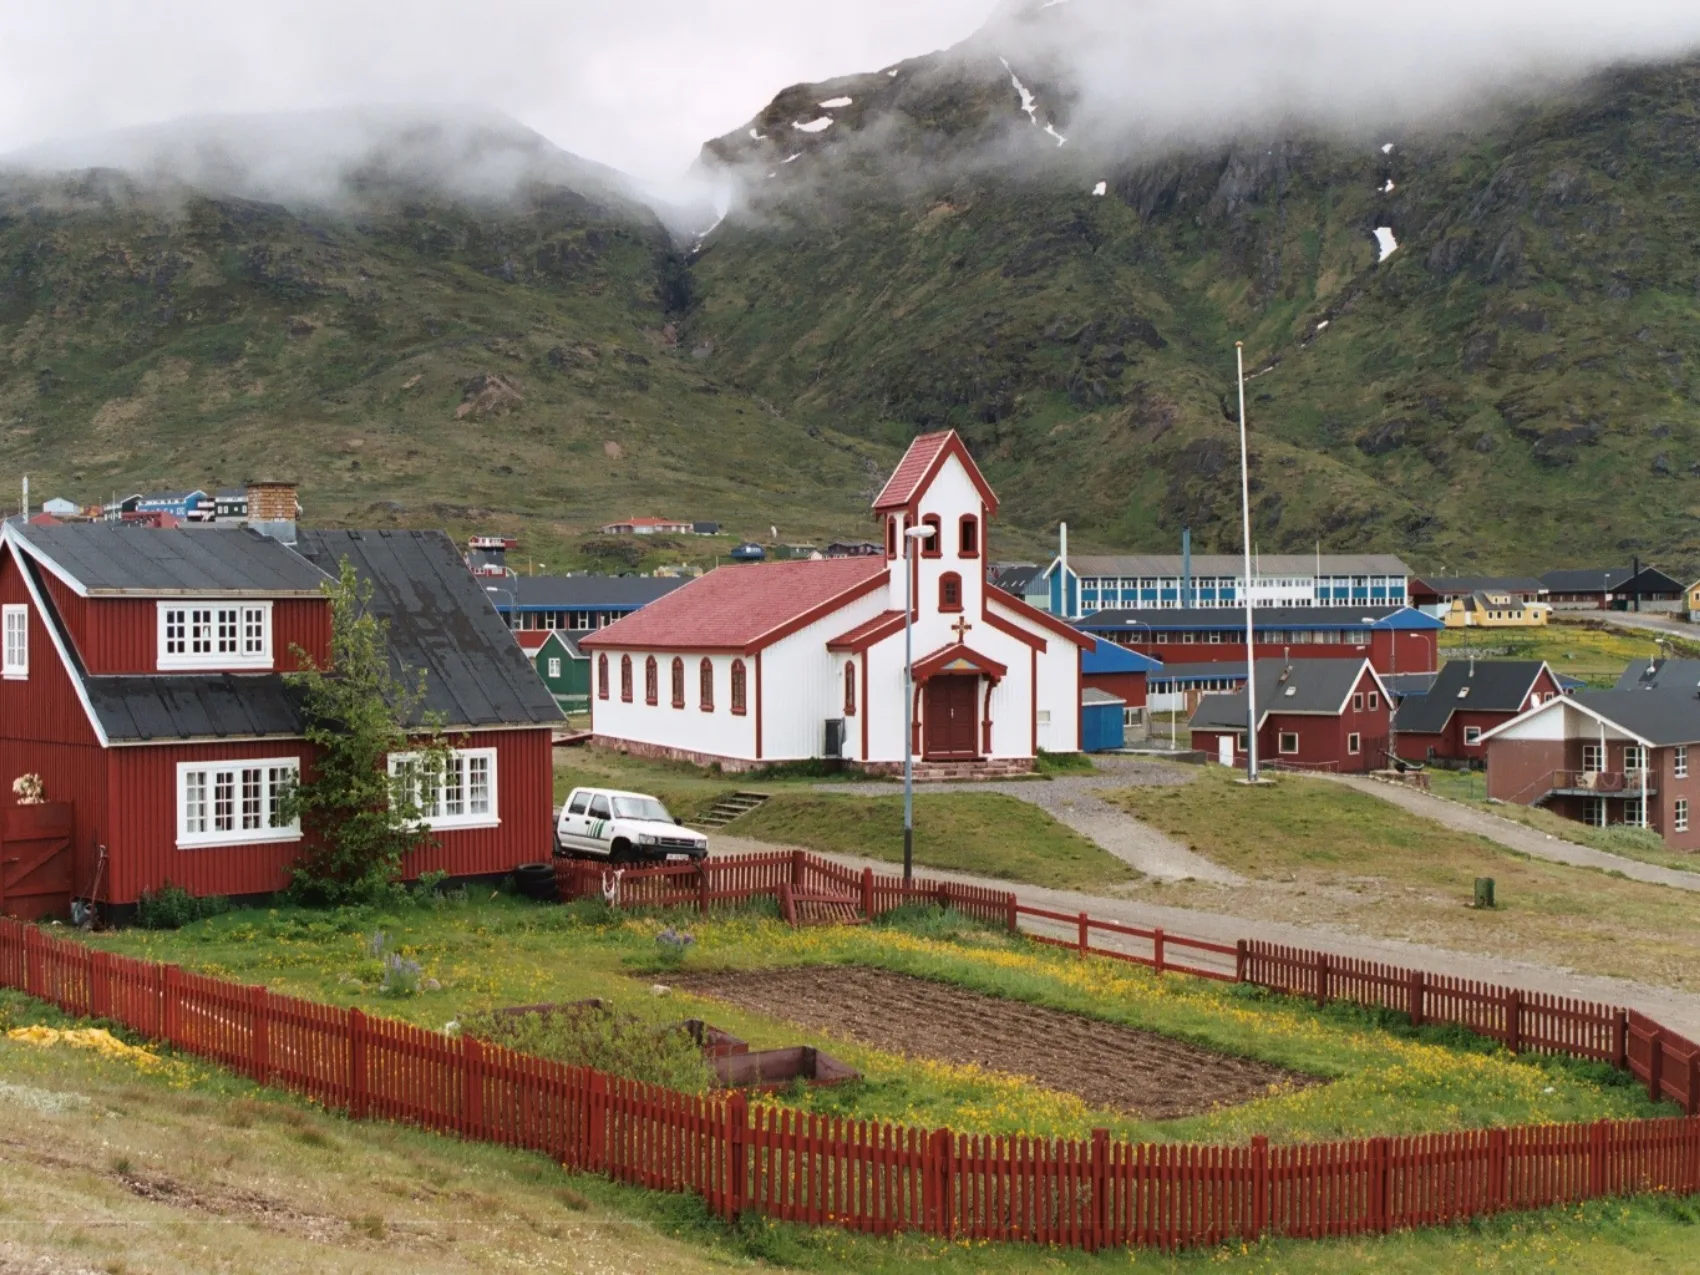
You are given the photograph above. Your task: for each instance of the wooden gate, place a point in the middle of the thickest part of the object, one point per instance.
(35, 860)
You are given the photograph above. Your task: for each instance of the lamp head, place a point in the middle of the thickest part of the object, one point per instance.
(923, 532)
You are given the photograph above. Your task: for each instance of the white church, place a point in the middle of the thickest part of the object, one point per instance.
(755, 665)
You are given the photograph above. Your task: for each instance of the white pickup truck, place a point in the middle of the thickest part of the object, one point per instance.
(623, 827)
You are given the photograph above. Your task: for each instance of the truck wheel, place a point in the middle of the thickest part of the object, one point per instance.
(622, 853)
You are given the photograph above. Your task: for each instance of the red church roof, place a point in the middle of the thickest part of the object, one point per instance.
(921, 462)
(743, 608)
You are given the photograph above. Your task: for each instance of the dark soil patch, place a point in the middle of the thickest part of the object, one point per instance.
(1110, 1066)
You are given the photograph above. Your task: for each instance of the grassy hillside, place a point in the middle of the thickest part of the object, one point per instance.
(1513, 386)
(512, 367)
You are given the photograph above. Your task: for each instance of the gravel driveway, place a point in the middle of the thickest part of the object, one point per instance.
(1073, 800)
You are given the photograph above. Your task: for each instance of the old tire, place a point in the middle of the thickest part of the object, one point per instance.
(537, 881)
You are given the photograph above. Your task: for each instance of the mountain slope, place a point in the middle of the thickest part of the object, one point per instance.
(499, 358)
(1513, 386)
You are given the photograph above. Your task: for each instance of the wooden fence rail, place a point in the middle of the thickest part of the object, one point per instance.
(881, 1179)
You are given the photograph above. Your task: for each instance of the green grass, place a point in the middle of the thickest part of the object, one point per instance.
(1595, 654)
(486, 953)
(80, 1126)
(989, 834)
(1319, 852)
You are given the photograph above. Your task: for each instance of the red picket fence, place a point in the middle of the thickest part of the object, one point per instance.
(882, 1179)
(1521, 1020)
(736, 880)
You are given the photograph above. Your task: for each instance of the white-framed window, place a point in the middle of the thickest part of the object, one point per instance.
(1354, 744)
(17, 661)
(1374, 700)
(463, 797)
(1593, 757)
(1679, 762)
(1472, 736)
(215, 635)
(1679, 815)
(1634, 758)
(1289, 743)
(1594, 812)
(554, 666)
(231, 802)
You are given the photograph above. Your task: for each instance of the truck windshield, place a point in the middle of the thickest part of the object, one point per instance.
(641, 808)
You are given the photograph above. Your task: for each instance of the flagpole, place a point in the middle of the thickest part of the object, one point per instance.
(1250, 630)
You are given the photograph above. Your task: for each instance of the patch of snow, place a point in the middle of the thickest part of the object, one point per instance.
(893, 72)
(1323, 326)
(1387, 149)
(1029, 103)
(1052, 130)
(716, 226)
(1101, 189)
(757, 136)
(837, 102)
(1388, 189)
(1389, 245)
(791, 159)
(814, 126)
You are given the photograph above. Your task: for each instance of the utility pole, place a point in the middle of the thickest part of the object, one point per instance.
(1250, 632)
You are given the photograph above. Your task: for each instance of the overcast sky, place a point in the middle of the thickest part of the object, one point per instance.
(638, 84)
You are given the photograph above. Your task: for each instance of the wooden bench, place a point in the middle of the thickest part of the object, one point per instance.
(818, 907)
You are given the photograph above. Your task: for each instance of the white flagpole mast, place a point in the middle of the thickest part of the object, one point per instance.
(1250, 631)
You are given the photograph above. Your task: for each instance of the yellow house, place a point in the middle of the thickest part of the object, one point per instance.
(1692, 594)
(1503, 611)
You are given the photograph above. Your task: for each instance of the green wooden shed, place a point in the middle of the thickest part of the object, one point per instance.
(564, 668)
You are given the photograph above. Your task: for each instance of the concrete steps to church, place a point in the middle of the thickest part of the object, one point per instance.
(945, 772)
(729, 808)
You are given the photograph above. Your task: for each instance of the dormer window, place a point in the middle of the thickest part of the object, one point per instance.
(215, 635)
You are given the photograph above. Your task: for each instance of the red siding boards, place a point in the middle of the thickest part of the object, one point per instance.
(1323, 741)
(1418, 652)
(1129, 687)
(45, 731)
(125, 798)
(144, 851)
(121, 635)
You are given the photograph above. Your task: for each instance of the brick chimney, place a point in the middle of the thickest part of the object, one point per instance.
(272, 508)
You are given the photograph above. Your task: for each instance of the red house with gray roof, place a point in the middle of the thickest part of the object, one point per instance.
(144, 683)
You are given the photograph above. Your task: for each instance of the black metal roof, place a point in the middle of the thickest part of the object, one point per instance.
(569, 593)
(118, 559)
(442, 621)
(210, 706)
(1302, 686)
(1652, 675)
(1665, 717)
(1481, 686)
(1611, 580)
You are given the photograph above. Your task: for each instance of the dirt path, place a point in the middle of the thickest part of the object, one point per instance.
(1677, 1009)
(1108, 1065)
(1073, 800)
(1517, 836)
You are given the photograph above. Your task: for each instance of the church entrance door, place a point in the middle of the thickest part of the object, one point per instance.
(952, 718)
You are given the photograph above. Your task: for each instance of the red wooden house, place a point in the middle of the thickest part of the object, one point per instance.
(1312, 715)
(1468, 699)
(144, 683)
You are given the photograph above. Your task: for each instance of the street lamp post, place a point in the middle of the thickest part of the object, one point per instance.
(513, 603)
(911, 538)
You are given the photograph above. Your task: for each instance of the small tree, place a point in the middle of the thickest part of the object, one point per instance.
(358, 824)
